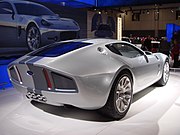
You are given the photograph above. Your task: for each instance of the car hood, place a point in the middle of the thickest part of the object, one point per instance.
(50, 18)
(57, 22)
(61, 23)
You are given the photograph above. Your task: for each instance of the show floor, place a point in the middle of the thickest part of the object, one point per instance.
(155, 111)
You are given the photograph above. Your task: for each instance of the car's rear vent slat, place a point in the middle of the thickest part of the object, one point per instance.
(63, 83)
(13, 73)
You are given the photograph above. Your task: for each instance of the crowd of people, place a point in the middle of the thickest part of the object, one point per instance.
(171, 49)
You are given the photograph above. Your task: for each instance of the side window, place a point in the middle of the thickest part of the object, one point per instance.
(5, 8)
(125, 50)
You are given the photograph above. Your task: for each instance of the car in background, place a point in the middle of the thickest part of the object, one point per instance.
(24, 22)
(89, 73)
(127, 39)
(155, 46)
(104, 31)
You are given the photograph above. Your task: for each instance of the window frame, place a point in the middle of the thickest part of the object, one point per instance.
(114, 49)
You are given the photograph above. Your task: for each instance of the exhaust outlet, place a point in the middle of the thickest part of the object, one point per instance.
(36, 97)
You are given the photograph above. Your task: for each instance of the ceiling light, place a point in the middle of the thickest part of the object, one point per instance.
(147, 12)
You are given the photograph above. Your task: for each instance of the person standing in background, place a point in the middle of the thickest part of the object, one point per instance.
(164, 46)
(147, 43)
(175, 49)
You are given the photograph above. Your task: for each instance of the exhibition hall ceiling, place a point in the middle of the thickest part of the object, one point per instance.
(106, 3)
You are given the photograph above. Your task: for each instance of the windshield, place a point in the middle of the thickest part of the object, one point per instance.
(32, 9)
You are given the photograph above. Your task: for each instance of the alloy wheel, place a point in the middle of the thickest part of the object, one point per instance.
(166, 72)
(33, 38)
(123, 94)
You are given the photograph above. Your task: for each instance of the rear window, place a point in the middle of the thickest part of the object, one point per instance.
(58, 49)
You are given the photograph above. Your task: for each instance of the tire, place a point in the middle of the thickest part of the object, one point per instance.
(165, 74)
(120, 97)
(33, 38)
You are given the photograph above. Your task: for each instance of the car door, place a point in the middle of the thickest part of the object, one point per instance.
(8, 30)
(144, 67)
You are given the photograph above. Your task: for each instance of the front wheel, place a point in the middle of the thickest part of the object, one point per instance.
(165, 74)
(33, 38)
(120, 97)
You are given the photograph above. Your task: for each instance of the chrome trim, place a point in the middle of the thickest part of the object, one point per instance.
(17, 72)
(66, 90)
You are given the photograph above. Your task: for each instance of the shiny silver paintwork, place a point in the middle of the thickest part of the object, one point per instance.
(94, 69)
(13, 27)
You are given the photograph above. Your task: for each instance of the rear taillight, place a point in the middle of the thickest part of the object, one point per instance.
(19, 75)
(15, 74)
(49, 84)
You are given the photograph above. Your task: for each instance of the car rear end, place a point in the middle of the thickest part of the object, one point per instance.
(54, 78)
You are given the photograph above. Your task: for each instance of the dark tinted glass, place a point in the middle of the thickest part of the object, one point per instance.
(58, 49)
(32, 9)
(5, 8)
(125, 50)
(104, 27)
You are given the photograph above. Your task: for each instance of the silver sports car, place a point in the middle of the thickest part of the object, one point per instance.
(89, 73)
(31, 23)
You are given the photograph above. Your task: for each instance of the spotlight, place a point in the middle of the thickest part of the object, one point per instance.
(172, 10)
(99, 12)
(147, 12)
(63, 4)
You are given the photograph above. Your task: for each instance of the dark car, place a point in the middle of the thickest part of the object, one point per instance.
(23, 22)
(104, 31)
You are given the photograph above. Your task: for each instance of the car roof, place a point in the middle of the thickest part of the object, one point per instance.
(100, 40)
(63, 47)
(97, 41)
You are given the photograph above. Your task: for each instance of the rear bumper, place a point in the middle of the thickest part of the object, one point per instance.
(91, 91)
(85, 100)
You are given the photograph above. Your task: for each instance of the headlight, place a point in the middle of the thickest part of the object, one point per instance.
(45, 23)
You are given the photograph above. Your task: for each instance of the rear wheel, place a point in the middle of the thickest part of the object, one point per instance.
(120, 97)
(33, 38)
(165, 75)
